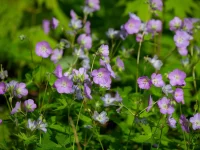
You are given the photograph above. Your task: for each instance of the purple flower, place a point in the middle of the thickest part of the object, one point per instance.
(54, 23)
(139, 37)
(165, 106)
(87, 91)
(17, 108)
(156, 4)
(118, 97)
(80, 74)
(133, 25)
(102, 117)
(183, 51)
(120, 63)
(73, 15)
(195, 121)
(41, 125)
(177, 77)
(108, 100)
(111, 33)
(156, 63)
(32, 125)
(58, 71)
(175, 24)
(56, 55)
(181, 39)
(104, 61)
(171, 122)
(1, 121)
(93, 5)
(144, 82)
(187, 25)
(85, 41)
(20, 90)
(150, 104)
(156, 79)
(104, 50)
(64, 85)
(11, 86)
(167, 89)
(86, 63)
(43, 49)
(178, 95)
(184, 123)
(2, 87)
(29, 105)
(87, 27)
(122, 33)
(154, 26)
(46, 26)
(108, 67)
(75, 24)
(102, 77)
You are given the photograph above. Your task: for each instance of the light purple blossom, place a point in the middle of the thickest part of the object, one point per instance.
(43, 49)
(17, 108)
(20, 90)
(156, 63)
(108, 100)
(167, 89)
(104, 61)
(56, 55)
(165, 106)
(75, 24)
(122, 33)
(58, 71)
(80, 74)
(11, 86)
(120, 63)
(150, 104)
(175, 24)
(86, 63)
(171, 122)
(177, 77)
(87, 27)
(118, 97)
(187, 24)
(102, 117)
(73, 15)
(41, 125)
(184, 123)
(111, 33)
(87, 91)
(54, 23)
(32, 125)
(181, 39)
(46, 26)
(179, 95)
(29, 105)
(139, 37)
(195, 121)
(1, 121)
(85, 41)
(93, 5)
(133, 25)
(104, 50)
(2, 87)
(183, 51)
(109, 68)
(154, 26)
(156, 4)
(157, 81)
(64, 85)
(144, 82)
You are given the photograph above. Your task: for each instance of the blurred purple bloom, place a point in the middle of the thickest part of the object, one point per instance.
(108, 100)
(171, 122)
(80, 74)
(118, 97)
(150, 104)
(156, 63)
(156, 4)
(41, 125)
(86, 63)
(104, 61)
(56, 55)
(111, 33)
(120, 63)
(32, 125)
(64, 85)
(102, 117)
(109, 68)
(58, 71)
(20, 90)
(104, 50)
(165, 106)
(29, 105)
(17, 108)
(175, 24)
(156, 79)
(2, 87)
(87, 27)
(187, 24)
(184, 123)
(144, 82)
(122, 33)
(73, 15)
(46, 26)
(54, 23)
(177, 77)
(78, 92)
(154, 26)
(139, 37)
(75, 24)
(133, 25)
(85, 41)
(43, 49)
(181, 39)
(1, 121)
(178, 95)
(93, 5)
(195, 121)
(10, 86)
(167, 89)
(87, 91)
(183, 51)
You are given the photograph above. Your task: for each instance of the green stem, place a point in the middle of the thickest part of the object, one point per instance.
(93, 62)
(99, 139)
(183, 131)
(7, 101)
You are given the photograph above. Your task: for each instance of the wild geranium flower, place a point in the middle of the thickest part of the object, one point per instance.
(2, 87)
(17, 108)
(104, 50)
(86, 63)
(64, 85)
(156, 4)
(181, 39)
(195, 120)
(73, 14)
(20, 90)
(157, 81)
(85, 41)
(175, 24)
(111, 33)
(46, 26)
(150, 104)
(177, 77)
(102, 77)
(93, 5)
(75, 24)
(167, 89)
(54, 23)
(109, 68)
(29, 105)
(43, 49)
(80, 74)
(10, 86)
(58, 71)
(120, 63)
(102, 117)
(56, 55)
(171, 122)
(144, 82)
(183, 51)
(178, 95)
(41, 125)
(187, 25)
(154, 26)
(1, 121)
(184, 123)
(104, 61)
(165, 106)
(122, 33)
(32, 125)
(156, 63)
(133, 25)
(108, 100)
(118, 97)
(139, 37)
(87, 91)
(87, 27)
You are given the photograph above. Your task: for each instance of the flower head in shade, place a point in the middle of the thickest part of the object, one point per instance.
(80, 75)
(56, 55)
(118, 97)
(120, 63)
(133, 25)
(54, 23)
(171, 122)
(32, 125)
(167, 89)
(157, 81)
(184, 123)
(154, 26)
(78, 92)
(73, 15)
(85, 41)
(165, 106)
(102, 77)
(178, 95)
(75, 24)
(111, 33)
(43, 49)
(102, 117)
(87, 27)
(11, 86)
(181, 39)
(58, 71)
(1, 121)
(156, 63)
(183, 51)
(175, 24)
(20, 90)
(2, 87)
(195, 120)
(177, 77)
(104, 61)
(93, 5)
(108, 100)
(86, 63)
(150, 104)
(46, 26)
(187, 24)
(17, 108)
(41, 125)
(139, 37)
(156, 4)
(109, 68)
(122, 33)
(29, 105)
(87, 91)
(64, 85)
(144, 82)
(104, 50)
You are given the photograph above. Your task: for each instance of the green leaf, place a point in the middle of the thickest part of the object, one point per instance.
(141, 138)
